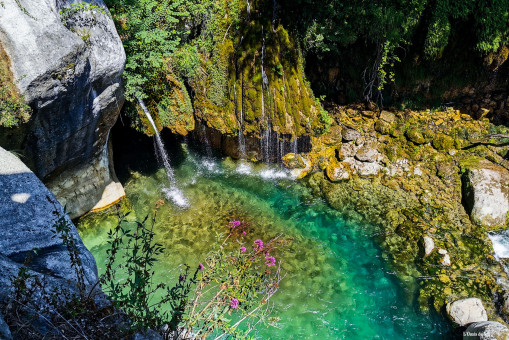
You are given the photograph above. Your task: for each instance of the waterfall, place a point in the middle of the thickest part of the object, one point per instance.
(265, 133)
(274, 7)
(208, 148)
(242, 142)
(248, 7)
(173, 192)
(294, 146)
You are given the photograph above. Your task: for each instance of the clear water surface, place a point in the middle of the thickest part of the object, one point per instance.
(338, 284)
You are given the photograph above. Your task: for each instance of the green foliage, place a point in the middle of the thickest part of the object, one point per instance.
(185, 61)
(151, 31)
(201, 302)
(325, 120)
(328, 26)
(128, 279)
(63, 230)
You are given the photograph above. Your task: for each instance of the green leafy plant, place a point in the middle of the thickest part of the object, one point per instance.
(13, 109)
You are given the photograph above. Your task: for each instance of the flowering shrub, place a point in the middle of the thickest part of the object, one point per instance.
(233, 287)
(226, 296)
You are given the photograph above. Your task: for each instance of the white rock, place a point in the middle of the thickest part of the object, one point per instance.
(486, 193)
(429, 245)
(446, 261)
(466, 311)
(442, 251)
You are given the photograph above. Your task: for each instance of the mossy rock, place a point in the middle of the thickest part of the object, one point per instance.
(415, 135)
(443, 142)
(383, 127)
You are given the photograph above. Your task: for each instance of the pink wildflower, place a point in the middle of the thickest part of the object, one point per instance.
(259, 244)
(234, 224)
(244, 233)
(200, 267)
(234, 303)
(270, 261)
(242, 249)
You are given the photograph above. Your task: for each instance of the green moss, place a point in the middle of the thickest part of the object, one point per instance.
(442, 142)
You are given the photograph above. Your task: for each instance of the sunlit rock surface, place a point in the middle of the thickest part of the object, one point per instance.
(28, 213)
(70, 74)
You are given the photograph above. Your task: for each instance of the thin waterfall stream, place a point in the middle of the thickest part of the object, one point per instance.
(172, 192)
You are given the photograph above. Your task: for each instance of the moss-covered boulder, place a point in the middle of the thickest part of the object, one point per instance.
(415, 135)
(443, 142)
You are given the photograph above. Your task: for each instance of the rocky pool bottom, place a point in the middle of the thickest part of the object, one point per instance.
(339, 283)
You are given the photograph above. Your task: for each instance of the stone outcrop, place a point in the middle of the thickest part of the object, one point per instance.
(486, 330)
(486, 193)
(28, 214)
(466, 311)
(413, 191)
(68, 68)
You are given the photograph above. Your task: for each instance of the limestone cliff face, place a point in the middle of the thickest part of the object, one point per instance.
(67, 60)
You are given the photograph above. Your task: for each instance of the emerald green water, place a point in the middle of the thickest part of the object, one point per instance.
(338, 285)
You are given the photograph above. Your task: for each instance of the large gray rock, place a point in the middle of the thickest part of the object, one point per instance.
(466, 311)
(486, 193)
(28, 213)
(367, 153)
(5, 333)
(487, 330)
(71, 77)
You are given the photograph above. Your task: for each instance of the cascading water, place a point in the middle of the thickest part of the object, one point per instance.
(242, 142)
(274, 7)
(294, 146)
(265, 138)
(173, 192)
(208, 148)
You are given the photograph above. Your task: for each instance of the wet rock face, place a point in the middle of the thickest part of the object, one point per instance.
(70, 74)
(29, 212)
(486, 193)
(466, 311)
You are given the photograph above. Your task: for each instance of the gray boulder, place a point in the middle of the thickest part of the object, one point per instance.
(350, 135)
(367, 153)
(486, 330)
(28, 212)
(5, 333)
(466, 311)
(486, 193)
(69, 72)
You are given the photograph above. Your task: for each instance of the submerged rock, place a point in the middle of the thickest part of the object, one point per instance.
(69, 71)
(466, 311)
(486, 193)
(486, 330)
